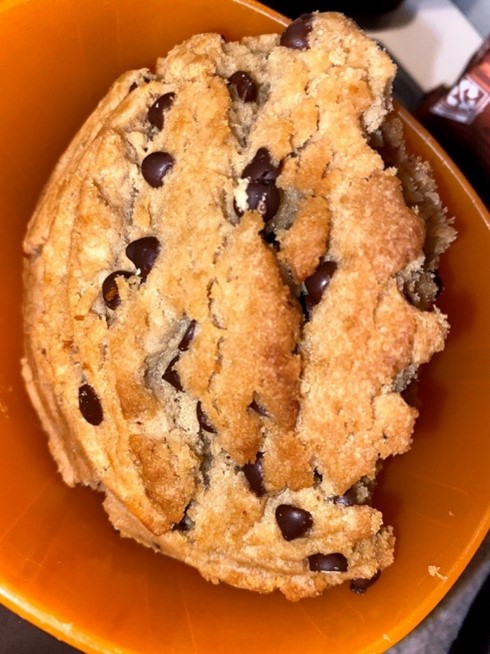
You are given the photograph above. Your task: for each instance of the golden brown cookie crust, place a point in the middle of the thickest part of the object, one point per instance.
(221, 289)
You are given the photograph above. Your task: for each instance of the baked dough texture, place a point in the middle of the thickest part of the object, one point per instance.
(229, 282)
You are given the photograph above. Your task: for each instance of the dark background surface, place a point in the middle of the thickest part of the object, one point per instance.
(20, 637)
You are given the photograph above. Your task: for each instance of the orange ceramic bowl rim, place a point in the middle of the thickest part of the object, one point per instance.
(21, 580)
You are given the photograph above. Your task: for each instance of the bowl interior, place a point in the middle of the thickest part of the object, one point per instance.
(61, 564)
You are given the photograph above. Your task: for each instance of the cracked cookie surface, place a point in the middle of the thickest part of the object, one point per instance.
(229, 281)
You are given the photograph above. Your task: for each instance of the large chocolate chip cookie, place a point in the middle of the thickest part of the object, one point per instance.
(229, 282)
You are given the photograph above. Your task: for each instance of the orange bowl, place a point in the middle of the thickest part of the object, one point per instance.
(62, 566)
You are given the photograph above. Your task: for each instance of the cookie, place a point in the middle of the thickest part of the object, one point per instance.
(229, 283)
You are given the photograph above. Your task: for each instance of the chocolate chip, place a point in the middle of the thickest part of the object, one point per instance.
(349, 498)
(295, 36)
(89, 405)
(317, 283)
(335, 562)
(155, 166)
(261, 169)
(159, 107)
(110, 292)
(172, 376)
(188, 336)
(243, 86)
(293, 521)
(264, 198)
(360, 585)
(262, 193)
(254, 475)
(255, 406)
(143, 253)
(203, 419)
(358, 494)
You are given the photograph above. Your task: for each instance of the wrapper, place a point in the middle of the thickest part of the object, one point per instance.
(459, 117)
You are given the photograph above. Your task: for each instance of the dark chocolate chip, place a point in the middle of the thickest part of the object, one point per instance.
(143, 253)
(335, 562)
(364, 488)
(349, 498)
(172, 376)
(360, 585)
(295, 36)
(264, 198)
(203, 419)
(317, 283)
(188, 336)
(261, 169)
(89, 404)
(293, 521)
(155, 166)
(243, 86)
(254, 475)
(110, 292)
(159, 107)
(255, 406)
